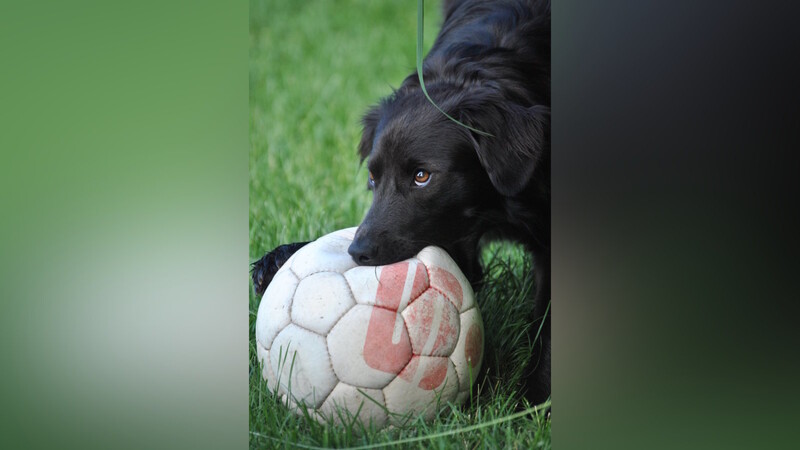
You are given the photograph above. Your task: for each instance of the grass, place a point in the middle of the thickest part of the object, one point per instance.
(315, 66)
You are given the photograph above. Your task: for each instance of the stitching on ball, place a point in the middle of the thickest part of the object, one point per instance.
(291, 303)
(431, 286)
(355, 303)
(325, 337)
(446, 296)
(316, 409)
(307, 329)
(330, 358)
(322, 271)
(455, 369)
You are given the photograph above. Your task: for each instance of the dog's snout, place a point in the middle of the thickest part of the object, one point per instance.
(363, 252)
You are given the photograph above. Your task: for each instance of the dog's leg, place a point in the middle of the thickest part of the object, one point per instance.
(265, 268)
(538, 372)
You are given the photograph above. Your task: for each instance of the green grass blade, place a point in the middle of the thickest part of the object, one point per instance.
(420, 34)
(544, 317)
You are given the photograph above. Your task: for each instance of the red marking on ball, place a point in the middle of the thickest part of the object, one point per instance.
(393, 280)
(421, 317)
(434, 375)
(473, 348)
(379, 351)
(434, 371)
(447, 283)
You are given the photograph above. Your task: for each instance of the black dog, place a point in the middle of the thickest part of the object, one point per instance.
(435, 182)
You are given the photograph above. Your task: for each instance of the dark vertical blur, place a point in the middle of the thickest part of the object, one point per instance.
(675, 130)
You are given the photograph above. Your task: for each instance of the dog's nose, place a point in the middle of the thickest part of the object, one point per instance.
(362, 252)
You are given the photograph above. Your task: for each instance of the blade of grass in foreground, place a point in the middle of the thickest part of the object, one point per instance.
(532, 410)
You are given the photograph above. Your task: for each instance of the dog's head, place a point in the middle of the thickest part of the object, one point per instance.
(435, 182)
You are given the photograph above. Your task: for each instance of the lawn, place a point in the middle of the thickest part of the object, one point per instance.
(315, 66)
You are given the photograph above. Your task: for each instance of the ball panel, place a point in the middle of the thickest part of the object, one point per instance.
(368, 348)
(433, 324)
(364, 281)
(326, 254)
(302, 365)
(273, 311)
(447, 277)
(468, 354)
(418, 386)
(352, 400)
(320, 300)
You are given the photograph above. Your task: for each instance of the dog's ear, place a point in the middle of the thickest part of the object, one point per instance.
(370, 124)
(520, 139)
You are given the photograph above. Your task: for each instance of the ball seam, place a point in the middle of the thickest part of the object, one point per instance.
(291, 302)
(320, 271)
(317, 409)
(431, 286)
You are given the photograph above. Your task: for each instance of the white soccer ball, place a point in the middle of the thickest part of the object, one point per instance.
(379, 342)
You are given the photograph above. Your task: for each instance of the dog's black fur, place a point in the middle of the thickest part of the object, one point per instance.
(490, 69)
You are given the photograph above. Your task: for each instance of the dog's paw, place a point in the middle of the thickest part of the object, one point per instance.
(264, 269)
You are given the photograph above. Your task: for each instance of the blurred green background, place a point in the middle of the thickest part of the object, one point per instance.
(123, 238)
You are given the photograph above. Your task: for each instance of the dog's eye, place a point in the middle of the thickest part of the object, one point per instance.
(371, 180)
(422, 177)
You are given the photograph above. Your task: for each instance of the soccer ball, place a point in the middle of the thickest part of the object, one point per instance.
(380, 343)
